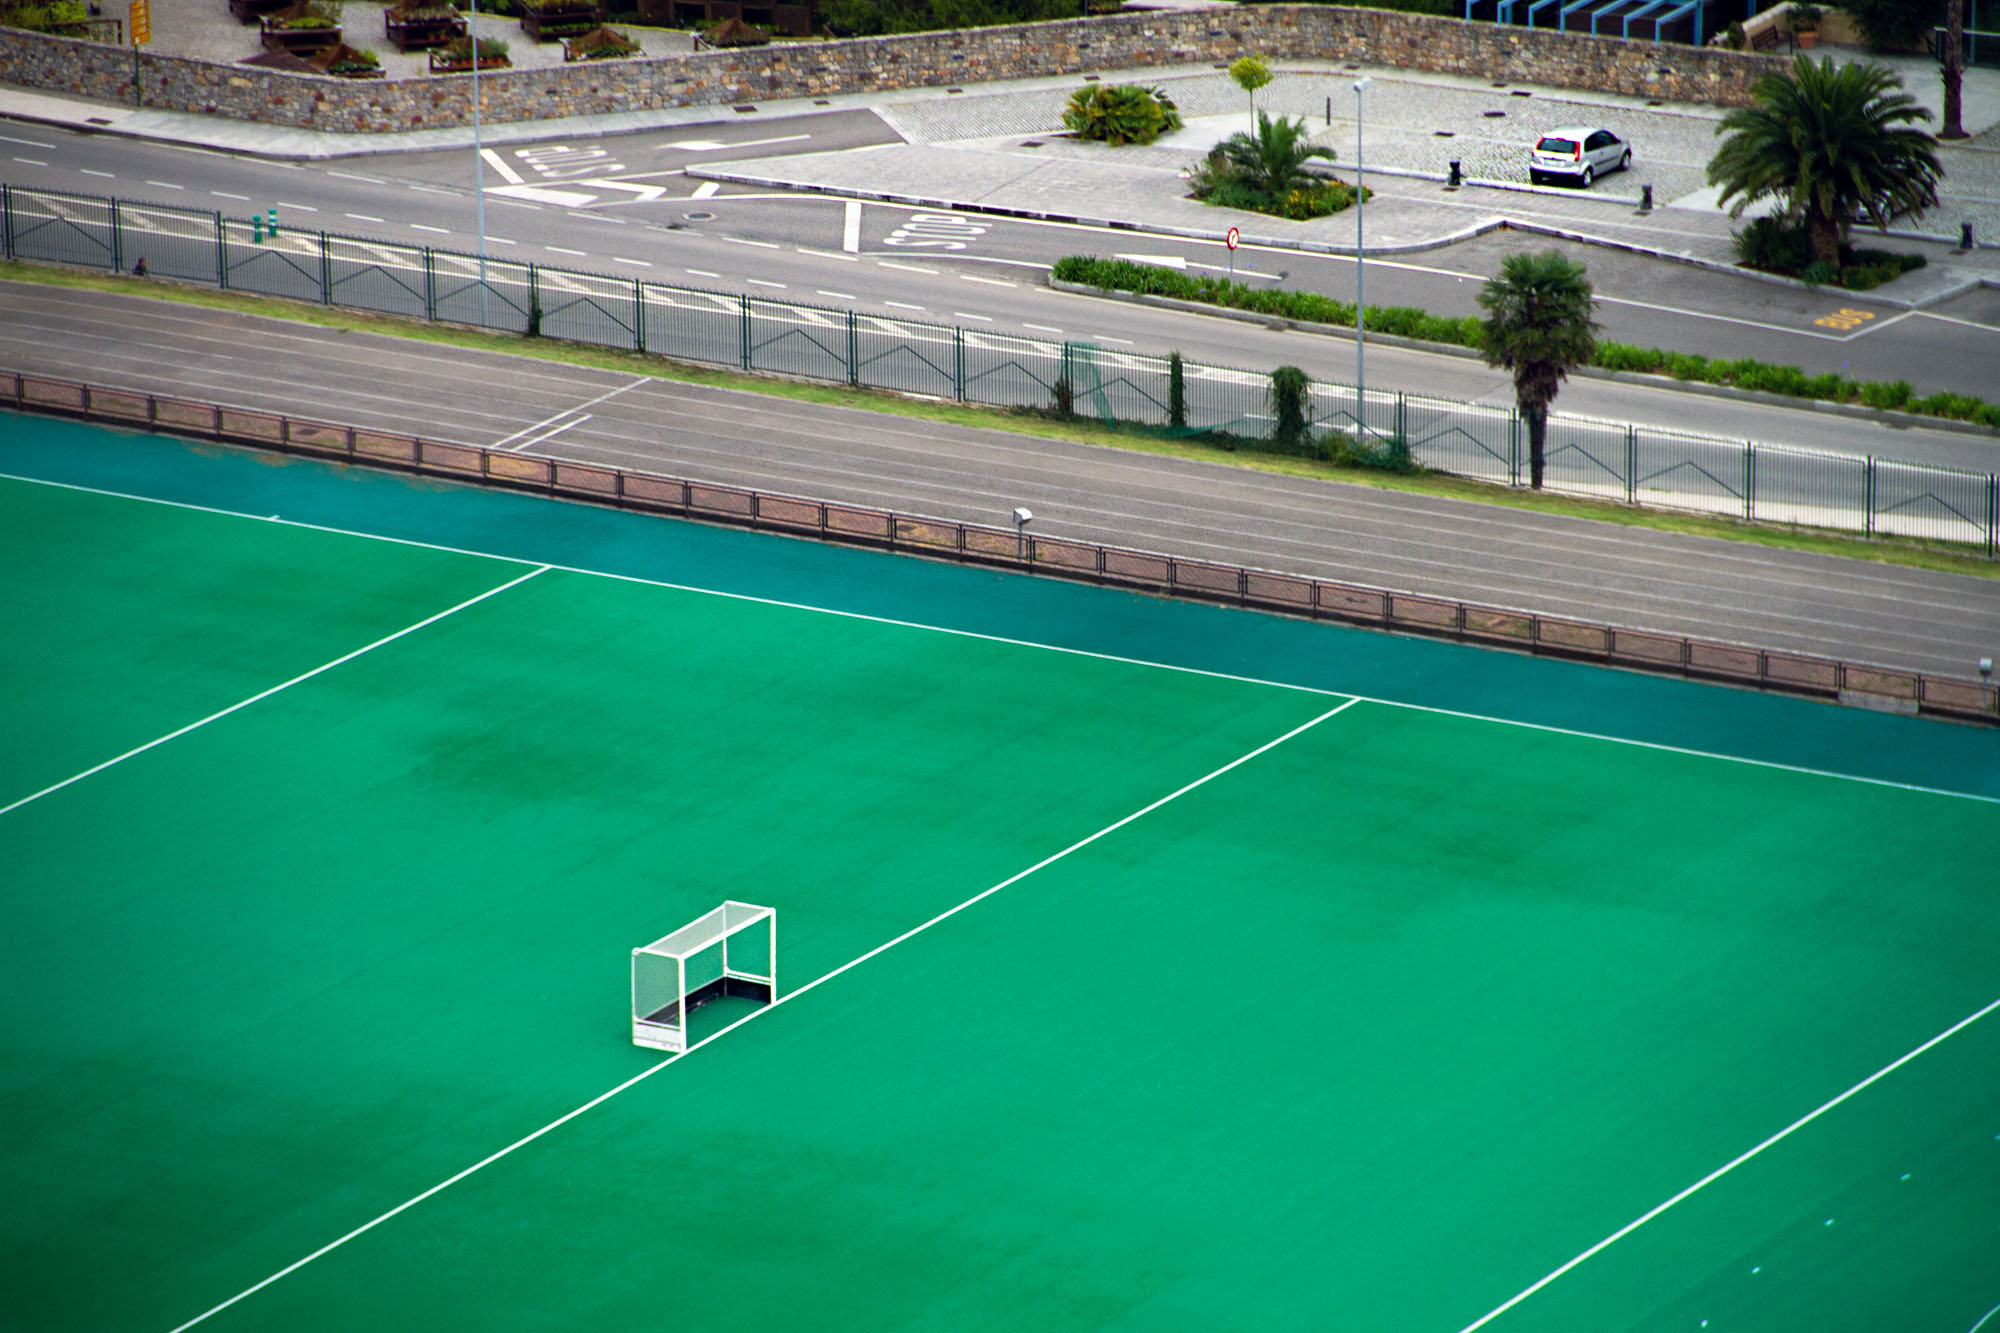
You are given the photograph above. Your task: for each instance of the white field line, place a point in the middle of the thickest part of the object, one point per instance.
(1729, 1166)
(567, 411)
(547, 435)
(848, 966)
(1093, 654)
(265, 694)
(1983, 1318)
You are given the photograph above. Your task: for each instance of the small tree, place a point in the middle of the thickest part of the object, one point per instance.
(1251, 73)
(1176, 392)
(1538, 326)
(1288, 409)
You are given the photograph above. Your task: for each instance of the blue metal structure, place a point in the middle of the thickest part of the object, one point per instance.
(1604, 13)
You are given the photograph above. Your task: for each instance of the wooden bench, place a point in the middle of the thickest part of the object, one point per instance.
(1773, 38)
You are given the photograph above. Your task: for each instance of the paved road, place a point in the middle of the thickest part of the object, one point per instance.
(909, 263)
(1634, 577)
(559, 202)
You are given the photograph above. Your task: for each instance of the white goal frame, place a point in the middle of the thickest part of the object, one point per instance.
(662, 997)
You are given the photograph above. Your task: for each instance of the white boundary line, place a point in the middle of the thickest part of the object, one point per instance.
(1661, 746)
(1727, 1167)
(525, 430)
(848, 966)
(1983, 1318)
(265, 694)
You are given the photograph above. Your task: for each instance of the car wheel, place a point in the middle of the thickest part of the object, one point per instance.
(1625, 162)
(1586, 177)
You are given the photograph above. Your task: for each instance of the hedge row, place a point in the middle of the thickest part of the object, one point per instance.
(1124, 275)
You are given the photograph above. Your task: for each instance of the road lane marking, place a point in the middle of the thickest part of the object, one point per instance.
(431, 189)
(31, 161)
(703, 273)
(532, 441)
(419, 226)
(107, 175)
(363, 217)
(636, 263)
(825, 254)
(966, 314)
(907, 268)
(167, 185)
(500, 240)
(557, 249)
(850, 227)
(990, 282)
(761, 245)
(903, 305)
(32, 143)
(350, 176)
(715, 145)
(759, 282)
(224, 194)
(303, 208)
(499, 164)
(705, 190)
(839, 296)
(1042, 328)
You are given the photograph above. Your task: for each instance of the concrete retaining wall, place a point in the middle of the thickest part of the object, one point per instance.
(920, 60)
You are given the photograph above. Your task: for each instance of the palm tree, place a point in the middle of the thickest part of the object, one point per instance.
(1538, 326)
(1274, 158)
(1954, 70)
(1828, 143)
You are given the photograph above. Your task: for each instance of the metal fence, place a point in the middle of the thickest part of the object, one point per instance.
(1630, 464)
(1204, 580)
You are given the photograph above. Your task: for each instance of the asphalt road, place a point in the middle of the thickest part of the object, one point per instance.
(1633, 577)
(619, 204)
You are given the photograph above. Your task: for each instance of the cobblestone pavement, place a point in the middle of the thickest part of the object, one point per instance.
(205, 29)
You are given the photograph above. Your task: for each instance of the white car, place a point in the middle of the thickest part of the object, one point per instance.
(1577, 153)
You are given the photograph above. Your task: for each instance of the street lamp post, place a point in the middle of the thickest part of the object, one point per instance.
(478, 167)
(1361, 85)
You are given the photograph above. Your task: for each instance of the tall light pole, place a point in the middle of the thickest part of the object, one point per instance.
(1361, 85)
(478, 166)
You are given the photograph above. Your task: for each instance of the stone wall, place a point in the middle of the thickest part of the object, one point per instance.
(919, 60)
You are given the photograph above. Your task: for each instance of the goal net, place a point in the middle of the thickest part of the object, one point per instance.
(731, 951)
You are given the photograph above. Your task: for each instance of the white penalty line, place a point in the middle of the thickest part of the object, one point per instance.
(1727, 1167)
(848, 966)
(265, 694)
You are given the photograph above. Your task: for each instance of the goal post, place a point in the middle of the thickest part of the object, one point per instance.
(731, 951)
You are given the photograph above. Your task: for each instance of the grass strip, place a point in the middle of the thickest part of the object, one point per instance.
(1907, 552)
(1124, 275)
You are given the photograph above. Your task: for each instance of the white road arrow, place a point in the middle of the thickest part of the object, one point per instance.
(717, 145)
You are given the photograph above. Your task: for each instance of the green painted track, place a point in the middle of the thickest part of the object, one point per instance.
(1371, 1031)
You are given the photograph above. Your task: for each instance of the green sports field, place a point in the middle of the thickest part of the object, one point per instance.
(1143, 965)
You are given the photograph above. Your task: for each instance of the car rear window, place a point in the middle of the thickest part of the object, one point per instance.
(1564, 147)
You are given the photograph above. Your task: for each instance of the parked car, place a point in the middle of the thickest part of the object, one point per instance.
(1577, 153)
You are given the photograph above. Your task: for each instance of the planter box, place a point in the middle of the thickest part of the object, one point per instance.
(297, 41)
(440, 65)
(566, 20)
(418, 34)
(326, 61)
(249, 11)
(590, 43)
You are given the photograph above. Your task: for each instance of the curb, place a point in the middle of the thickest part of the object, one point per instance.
(1857, 411)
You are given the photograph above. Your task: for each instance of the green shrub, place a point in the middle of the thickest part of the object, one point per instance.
(1176, 392)
(1886, 397)
(1775, 245)
(1119, 114)
(1624, 356)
